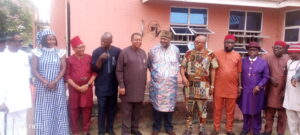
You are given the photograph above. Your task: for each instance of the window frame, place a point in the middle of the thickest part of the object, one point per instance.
(190, 26)
(246, 32)
(172, 29)
(290, 27)
(246, 15)
(189, 12)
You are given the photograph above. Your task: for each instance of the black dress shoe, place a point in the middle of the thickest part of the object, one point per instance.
(267, 133)
(101, 133)
(244, 132)
(230, 133)
(136, 132)
(111, 132)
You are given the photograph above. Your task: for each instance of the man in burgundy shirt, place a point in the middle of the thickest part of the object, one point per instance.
(80, 78)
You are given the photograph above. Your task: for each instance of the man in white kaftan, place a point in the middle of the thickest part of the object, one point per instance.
(14, 89)
(164, 66)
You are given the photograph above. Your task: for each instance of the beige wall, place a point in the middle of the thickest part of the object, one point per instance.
(90, 19)
(58, 21)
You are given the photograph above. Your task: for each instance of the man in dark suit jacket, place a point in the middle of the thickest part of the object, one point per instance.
(104, 61)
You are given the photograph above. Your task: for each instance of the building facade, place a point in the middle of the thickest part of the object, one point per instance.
(264, 21)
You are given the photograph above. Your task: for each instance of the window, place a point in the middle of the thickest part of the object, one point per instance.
(292, 26)
(237, 20)
(198, 16)
(186, 23)
(253, 21)
(246, 26)
(292, 18)
(179, 15)
(291, 35)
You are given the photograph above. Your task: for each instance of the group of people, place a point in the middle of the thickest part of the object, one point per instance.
(255, 83)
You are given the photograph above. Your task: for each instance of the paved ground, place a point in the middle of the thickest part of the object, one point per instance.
(146, 122)
(146, 119)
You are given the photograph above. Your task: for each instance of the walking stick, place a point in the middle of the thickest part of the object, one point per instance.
(5, 123)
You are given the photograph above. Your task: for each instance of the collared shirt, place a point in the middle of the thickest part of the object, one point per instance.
(132, 73)
(79, 69)
(227, 79)
(252, 60)
(253, 74)
(3, 90)
(291, 98)
(15, 78)
(278, 72)
(164, 66)
(198, 65)
(106, 82)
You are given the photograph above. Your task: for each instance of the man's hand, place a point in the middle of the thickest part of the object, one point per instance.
(274, 83)
(211, 91)
(294, 82)
(3, 108)
(240, 91)
(185, 82)
(85, 87)
(103, 56)
(256, 90)
(122, 91)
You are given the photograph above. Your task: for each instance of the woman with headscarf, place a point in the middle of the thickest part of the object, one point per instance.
(48, 66)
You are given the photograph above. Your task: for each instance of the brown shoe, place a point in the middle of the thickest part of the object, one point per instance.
(214, 132)
(171, 132)
(154, 132)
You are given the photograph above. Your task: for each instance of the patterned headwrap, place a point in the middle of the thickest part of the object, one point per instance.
(294, 48)
(40, 34)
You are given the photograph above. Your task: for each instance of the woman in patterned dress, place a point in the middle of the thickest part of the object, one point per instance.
(48, 66)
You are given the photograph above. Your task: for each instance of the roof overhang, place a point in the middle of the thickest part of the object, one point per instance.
(249, 3)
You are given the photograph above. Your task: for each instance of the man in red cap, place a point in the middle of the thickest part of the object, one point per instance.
(80, 79)
(255, 75)
(227, 84)
(275, 88)
(292, 91)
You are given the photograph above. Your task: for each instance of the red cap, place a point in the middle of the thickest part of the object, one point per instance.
(232, 37)
(253, 45)
(76, 41)
(280, 43)
(294, 48)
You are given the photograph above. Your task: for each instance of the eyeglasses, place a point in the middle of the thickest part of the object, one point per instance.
(228, 42)
(277, 48)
